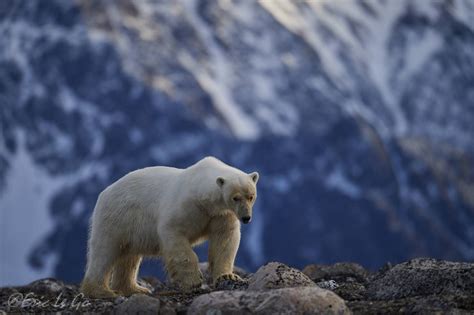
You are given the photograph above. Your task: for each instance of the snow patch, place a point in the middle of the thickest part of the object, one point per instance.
(463, 10)
(338, 181)
(217, 78)
(303, 23)
(25, 219)
(418, 53)
(24, 213)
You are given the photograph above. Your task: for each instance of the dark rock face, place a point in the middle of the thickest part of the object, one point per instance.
(337, 272)
(417, 286)
(349, 279)
(416, 305)
(423, 277)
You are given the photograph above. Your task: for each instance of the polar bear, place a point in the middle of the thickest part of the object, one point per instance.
(163, 212)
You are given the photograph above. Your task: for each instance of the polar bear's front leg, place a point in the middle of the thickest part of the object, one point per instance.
(181, 262)
(224, 240)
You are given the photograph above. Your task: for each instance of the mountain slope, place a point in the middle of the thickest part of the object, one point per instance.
(357, 114)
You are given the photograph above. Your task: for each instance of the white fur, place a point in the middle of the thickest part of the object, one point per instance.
(164, 211)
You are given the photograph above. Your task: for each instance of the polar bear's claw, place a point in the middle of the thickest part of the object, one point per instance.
(229, 276)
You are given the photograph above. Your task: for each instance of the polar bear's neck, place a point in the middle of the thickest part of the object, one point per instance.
(202, 176)
(205, 193)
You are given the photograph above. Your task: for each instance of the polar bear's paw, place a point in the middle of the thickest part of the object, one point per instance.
(133, 290)
(97, 292)
(230, 277)
(230, 281)
(189, 281)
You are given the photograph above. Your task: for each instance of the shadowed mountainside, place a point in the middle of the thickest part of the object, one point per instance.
(357, 114)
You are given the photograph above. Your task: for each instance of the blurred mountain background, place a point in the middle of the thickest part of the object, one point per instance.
(359, 116)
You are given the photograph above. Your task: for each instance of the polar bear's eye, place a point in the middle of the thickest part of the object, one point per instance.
(236, 198)
(250, 198)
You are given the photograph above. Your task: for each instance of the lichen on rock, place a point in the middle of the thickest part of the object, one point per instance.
(277, 275)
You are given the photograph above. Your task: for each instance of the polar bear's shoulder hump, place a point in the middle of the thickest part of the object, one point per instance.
(210, 162)
(213, 165)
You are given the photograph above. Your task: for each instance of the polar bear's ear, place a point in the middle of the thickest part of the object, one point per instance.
(220, 181)
(254, 177)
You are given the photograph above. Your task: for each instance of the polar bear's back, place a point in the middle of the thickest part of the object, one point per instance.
(143, 186)
(151, 186)
(159, 186)
(131, 205)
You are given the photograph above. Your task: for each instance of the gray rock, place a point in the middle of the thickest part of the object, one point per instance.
(231, 285)
(139, 304)
(351, 279)
(423, 277)
(120, 300)
(48, 285)
(301, 300)
(340, 272)
(328, 285)
(277, 275)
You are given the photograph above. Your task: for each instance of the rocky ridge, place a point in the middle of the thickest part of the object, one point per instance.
(417, 286)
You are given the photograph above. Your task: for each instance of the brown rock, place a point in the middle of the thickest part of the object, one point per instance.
(277, 275)
(301, 300)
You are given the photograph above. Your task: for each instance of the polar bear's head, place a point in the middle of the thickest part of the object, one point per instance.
(239, 193)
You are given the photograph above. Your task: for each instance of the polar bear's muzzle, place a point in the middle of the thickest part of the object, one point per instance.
(246, 219)
(244, 213)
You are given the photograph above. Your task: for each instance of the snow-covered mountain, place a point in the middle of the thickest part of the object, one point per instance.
(357, 114)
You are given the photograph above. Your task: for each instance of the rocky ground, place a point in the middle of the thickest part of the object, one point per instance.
(416, 286)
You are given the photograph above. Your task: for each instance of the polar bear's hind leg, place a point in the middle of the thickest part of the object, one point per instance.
(96, 280)
(124, 276)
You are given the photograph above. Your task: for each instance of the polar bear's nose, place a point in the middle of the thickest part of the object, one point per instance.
(246, 219)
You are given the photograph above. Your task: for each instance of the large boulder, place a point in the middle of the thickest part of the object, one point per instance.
(423, 277)
(277, 275)
(300, 300)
